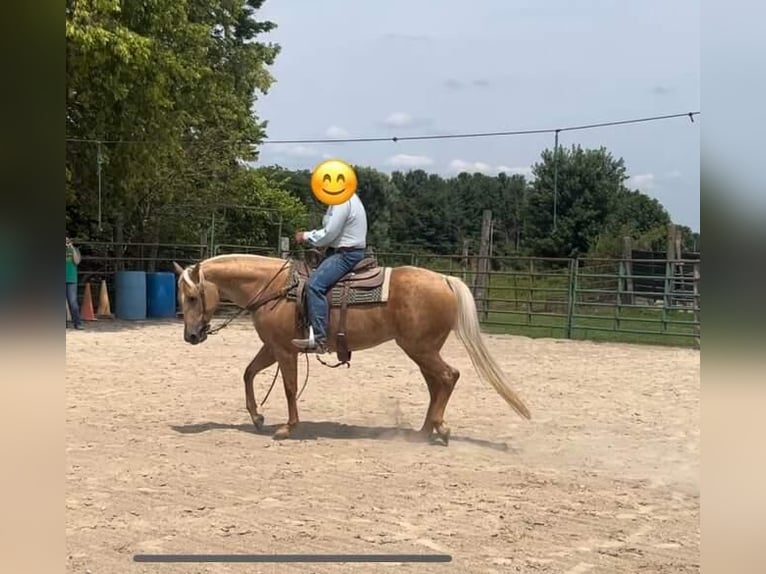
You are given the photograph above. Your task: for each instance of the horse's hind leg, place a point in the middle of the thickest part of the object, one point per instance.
(448, 376)
(441, 379)
(263, 360)
(428, 426)
(445, 377)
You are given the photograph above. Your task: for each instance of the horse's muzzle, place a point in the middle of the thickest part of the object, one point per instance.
(196, 338)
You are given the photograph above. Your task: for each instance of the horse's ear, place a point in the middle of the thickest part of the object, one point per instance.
(194, 273)
(178, 268)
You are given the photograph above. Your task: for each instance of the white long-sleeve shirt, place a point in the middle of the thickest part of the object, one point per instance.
(343, 225)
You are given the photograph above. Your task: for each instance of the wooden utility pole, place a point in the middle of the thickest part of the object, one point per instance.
(670, 265)
(626, 270)
(482, 276)
(465, 262)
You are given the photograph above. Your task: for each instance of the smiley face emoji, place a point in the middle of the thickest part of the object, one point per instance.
(333, 182)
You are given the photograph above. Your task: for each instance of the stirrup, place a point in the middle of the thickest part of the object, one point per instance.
(310, 346)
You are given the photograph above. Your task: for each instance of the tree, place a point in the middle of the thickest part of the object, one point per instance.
(635, 215)
(427, 215)
(503, 195)
(379, 196)
(264, 211)
(588, 182)
(171, 87)
(690, 240)
(297, 183)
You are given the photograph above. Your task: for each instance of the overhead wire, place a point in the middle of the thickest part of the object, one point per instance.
(395, 139)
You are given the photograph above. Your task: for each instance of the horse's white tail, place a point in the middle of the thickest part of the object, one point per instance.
(468, 331)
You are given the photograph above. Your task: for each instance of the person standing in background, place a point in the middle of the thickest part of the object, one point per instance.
(73, 259)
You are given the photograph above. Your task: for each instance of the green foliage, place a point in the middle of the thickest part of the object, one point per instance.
(587, 182)
(266, 209)
(690, 240)
(635, 215)
(426, 215)
(380, 197)
(169, 87)
(595, 209)
(416, 211)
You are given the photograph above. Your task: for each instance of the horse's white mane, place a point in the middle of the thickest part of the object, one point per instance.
(228, 256)
(187, 278)
(186, 275)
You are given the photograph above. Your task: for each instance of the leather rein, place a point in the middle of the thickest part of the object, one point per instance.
(253, 305)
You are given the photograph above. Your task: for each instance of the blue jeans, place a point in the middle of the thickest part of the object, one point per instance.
(74, 308)
(332, 268)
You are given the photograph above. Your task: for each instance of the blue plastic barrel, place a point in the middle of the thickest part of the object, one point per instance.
(161, 294)
(130, 295)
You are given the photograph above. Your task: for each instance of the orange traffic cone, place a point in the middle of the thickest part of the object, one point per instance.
(104, 309)
(87, 305)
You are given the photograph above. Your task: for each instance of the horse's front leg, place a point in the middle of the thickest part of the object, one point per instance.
(288, 363)
(263, 360)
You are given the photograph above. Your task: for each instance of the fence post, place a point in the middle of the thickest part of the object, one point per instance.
(696, 299)
(670, 257)
(626, 271)
(482, 277)
(573, 267)
(465, 262)
(284, 247)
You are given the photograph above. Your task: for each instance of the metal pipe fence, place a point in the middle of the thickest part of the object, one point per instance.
(652, 301)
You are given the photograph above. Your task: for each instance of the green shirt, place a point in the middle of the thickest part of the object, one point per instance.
(71, 266)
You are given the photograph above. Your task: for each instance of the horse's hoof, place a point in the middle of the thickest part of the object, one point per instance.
(443, 432)
(258, 422)
(423, 435)
(282, 433)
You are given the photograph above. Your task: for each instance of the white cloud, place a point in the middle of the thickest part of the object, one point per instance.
(409, 161)
(336, 132)
(526, 171)
(459, 165)
(398, 120)
(643, 182)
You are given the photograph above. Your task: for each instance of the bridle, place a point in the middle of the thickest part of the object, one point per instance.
(252, 305)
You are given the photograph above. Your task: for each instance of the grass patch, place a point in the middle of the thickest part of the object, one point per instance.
(531, 298)
(648, 326)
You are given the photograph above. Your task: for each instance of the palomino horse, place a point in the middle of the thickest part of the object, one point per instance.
(422, 308)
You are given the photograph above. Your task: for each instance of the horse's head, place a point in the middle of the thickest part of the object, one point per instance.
(199, 299)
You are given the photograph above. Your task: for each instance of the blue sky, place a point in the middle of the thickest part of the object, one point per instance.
(405, 67)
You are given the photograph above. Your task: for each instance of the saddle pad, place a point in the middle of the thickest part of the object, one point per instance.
(356, 296)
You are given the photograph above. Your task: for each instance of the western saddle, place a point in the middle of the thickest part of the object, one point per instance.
(366, 275)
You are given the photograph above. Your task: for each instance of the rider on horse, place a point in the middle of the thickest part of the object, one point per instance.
(344, 233)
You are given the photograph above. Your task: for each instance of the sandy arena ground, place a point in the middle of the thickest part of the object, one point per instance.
(162, 458)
